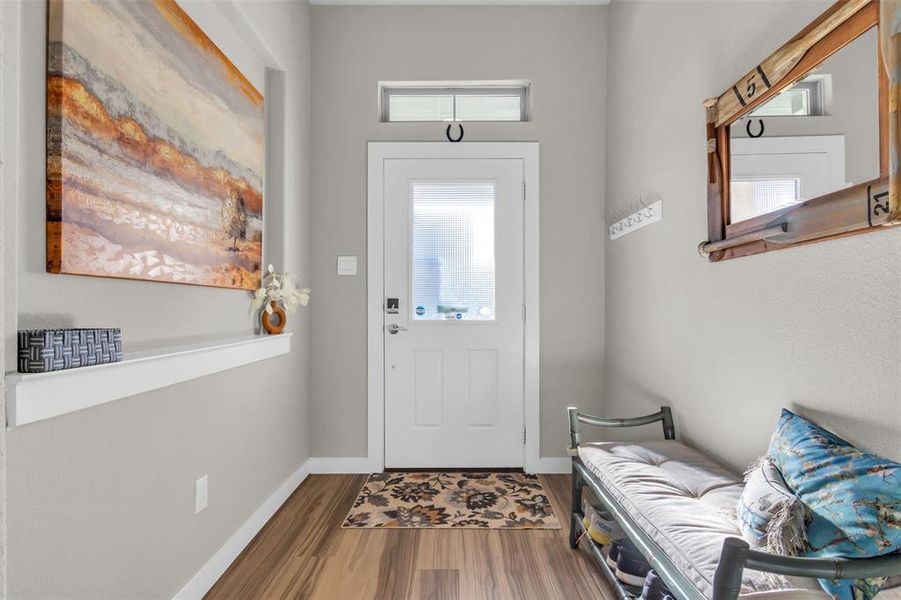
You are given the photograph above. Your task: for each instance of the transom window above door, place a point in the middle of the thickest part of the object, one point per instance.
(449, 101)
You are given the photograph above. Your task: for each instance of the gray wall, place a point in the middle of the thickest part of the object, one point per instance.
(9, 39)
(561, 50)
(729, 344)
(6, 121)
(101, 501)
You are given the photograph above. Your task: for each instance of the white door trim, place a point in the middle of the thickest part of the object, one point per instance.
(378, 153)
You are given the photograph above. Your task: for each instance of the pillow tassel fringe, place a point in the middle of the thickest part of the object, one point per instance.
(786, 532)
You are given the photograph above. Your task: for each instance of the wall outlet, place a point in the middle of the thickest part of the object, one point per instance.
(201, 494)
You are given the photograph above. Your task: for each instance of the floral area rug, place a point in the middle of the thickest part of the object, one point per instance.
(452, 500)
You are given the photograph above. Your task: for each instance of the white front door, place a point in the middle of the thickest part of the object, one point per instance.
(454, 313)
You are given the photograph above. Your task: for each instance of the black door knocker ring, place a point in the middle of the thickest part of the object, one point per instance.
(448, 133)
(748, 128)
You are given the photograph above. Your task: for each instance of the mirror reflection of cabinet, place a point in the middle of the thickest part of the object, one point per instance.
(798, 148)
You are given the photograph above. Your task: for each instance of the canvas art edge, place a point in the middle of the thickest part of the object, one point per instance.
(53, 170)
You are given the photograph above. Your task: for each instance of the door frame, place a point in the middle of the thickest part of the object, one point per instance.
(378, 154)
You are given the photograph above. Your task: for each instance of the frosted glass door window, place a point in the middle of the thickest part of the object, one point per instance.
(453, 251)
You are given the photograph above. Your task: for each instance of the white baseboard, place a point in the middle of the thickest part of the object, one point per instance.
(210, 573)
(362, 464)
(343, 464)
(550, 465)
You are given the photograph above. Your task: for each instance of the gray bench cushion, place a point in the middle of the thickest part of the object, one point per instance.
(686, 503)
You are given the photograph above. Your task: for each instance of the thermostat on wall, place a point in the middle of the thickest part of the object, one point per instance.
(347, 265)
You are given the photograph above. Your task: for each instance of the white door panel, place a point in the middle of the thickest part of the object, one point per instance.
(803, 166)
(454, 262)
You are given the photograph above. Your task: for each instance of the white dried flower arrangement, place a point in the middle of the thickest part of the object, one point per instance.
(279, 287)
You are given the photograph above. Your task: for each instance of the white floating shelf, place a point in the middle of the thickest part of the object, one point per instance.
(32, 397)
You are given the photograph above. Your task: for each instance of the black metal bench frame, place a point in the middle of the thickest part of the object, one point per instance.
(736, 555)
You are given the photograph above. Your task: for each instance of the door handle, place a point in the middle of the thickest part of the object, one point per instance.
(394, 328)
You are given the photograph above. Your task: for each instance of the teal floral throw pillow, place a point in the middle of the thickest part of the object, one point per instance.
(854, 497)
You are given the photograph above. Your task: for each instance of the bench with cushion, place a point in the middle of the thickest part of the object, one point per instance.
(678, 507)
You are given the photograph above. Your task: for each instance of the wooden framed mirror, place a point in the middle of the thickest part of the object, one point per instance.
(799, 149)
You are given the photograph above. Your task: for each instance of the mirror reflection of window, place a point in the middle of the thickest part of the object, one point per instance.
(819, 135)
(757, 196)
(807, 98)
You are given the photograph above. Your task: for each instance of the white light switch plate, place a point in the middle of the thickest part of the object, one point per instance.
(347, 265)
(201, 494)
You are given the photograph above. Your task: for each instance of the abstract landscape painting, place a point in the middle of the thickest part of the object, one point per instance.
(155, 148)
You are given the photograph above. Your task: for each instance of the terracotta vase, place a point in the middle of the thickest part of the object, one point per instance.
(266, 318)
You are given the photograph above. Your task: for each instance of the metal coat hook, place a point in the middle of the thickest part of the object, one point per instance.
(748, 128)
(634, 214)
(648, 212)
(448, 133)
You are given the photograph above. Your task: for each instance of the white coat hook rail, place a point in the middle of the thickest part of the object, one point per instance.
(635, 214)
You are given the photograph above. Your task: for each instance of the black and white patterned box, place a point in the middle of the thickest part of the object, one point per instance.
(43, 350)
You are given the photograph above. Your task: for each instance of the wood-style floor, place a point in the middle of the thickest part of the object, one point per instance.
(303, 553)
